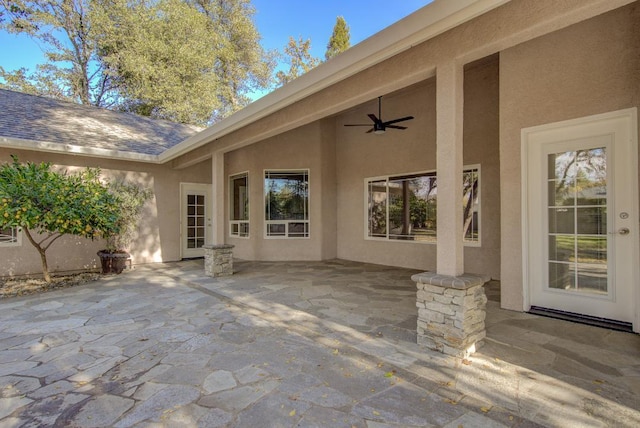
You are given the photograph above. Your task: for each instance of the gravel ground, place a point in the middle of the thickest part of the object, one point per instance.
(12, 287)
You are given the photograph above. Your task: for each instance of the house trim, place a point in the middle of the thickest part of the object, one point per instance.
(49, 147)
(424, 24)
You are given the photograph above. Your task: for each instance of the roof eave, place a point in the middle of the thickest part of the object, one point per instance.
(422, 25)
(48, 147)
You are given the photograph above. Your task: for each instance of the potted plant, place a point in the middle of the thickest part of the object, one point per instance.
(131, 199)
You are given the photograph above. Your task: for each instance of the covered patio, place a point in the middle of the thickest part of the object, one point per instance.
(295, 344)
(546, 370)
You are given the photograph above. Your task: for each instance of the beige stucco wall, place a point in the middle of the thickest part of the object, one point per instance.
(481, 146)
(361, 156)
(341, 158)
(558, 60)
(159, 230)
(579, 70)
(589, 68)
(309, 147)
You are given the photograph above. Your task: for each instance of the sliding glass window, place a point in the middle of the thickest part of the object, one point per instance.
(404, 207)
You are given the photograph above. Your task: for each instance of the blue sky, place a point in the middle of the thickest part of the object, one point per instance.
(276, 21)
(314, 19)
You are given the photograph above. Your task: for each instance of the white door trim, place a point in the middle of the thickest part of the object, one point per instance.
(206, 189)
(535, 135)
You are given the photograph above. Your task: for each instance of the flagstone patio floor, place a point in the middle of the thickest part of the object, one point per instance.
(300, 344)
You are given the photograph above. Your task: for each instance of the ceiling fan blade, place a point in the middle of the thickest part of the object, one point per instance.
(370, 131)
(396, 127)
(402, 119)
(374, 118)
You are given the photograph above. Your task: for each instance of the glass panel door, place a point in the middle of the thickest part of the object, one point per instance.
(577, 210)
(581, 245)
(195, 221)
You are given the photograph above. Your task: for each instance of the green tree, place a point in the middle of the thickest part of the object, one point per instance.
(43, 82)
(241, 66)
(48, 204)
(62, 28)
(340, 39)
(299, 58)
(161, 57)
(190, 61)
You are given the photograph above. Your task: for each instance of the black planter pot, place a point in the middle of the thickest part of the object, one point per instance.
(113, 262)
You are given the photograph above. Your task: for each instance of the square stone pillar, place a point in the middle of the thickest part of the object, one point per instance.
(451, 312)
(218, 260)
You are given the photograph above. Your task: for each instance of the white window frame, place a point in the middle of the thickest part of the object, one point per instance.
(466, 243)
(366, 207)
(238, 224)
(287, 223)
(16, 241)
(477, 242)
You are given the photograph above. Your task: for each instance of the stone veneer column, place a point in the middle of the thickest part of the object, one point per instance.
(451, 304)
(451, 312)
(218, 260)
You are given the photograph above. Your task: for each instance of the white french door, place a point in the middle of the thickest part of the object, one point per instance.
(581, 242)
(195, 218)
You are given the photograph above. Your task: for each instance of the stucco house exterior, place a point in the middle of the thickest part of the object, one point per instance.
(526, 109)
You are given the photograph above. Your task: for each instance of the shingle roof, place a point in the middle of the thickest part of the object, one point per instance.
(30, 117)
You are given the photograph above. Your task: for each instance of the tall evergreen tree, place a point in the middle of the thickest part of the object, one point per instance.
(340, 39)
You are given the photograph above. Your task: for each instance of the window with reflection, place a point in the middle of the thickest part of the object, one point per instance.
(405, 207)
(471, 204)
(577, 217)
(286, 204)
(239, 215)
(10, 236)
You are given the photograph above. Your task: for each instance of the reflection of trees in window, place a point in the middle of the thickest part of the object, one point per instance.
(287, 203)
(412, 207)
(470, 200)
(581, 174)
(405, 207)
(239, 215)
(378, 208)
(577, 220)
(9, 236)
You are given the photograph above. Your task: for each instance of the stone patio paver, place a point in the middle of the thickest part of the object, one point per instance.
(294, 344)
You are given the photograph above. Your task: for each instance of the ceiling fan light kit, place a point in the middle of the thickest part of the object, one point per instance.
(379, 127)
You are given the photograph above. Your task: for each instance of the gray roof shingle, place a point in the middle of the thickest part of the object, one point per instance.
(41, 119)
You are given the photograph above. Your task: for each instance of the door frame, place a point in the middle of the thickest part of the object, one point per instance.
(531, 137)
(184, 189)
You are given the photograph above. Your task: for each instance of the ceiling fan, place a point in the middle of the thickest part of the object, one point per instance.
(379, 126)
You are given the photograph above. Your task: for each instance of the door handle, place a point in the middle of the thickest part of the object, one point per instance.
(623, 231)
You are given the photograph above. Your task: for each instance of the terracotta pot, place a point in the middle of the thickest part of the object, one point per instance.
(113, 262)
